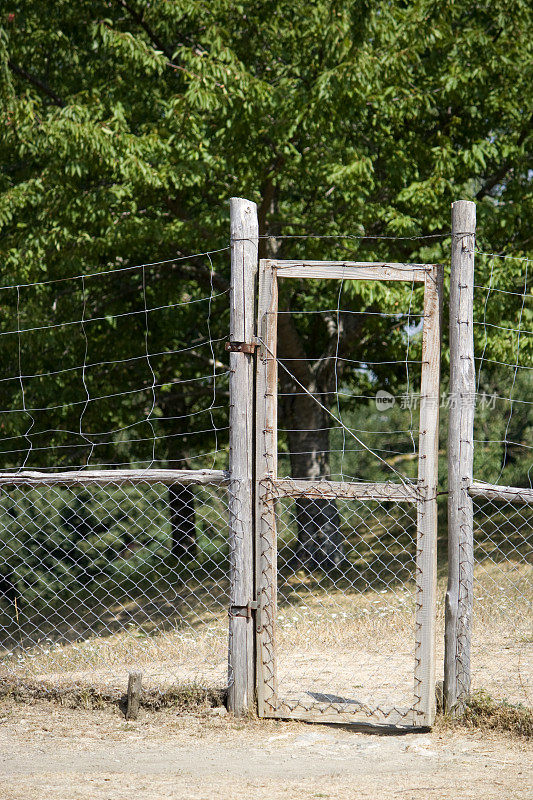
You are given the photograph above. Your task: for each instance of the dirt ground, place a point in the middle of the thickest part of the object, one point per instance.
(48, 751)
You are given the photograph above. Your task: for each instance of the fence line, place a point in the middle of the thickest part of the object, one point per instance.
(490, 523)
(83, 383)
(131, 554)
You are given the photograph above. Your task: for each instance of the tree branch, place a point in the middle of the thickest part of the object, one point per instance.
(139, 19)
(493, 181)
(500, 174)
(39, 84)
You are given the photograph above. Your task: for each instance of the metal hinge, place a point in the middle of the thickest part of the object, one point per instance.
(241, 347)
(246, 612)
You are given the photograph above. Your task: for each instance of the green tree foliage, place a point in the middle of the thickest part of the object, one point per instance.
(126, 126)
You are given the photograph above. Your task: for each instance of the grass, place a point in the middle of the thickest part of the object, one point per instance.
(484, 713)
(188, 697)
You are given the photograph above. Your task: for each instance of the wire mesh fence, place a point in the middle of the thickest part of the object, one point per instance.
(125, 369)
(121, 367)
(502, 653)
(502, 642)
(100, 580)
(111, 378)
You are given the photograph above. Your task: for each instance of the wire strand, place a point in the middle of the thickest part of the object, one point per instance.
(404, 481)
(116, 271)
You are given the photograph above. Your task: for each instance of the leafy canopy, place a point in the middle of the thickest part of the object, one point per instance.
(127, 126)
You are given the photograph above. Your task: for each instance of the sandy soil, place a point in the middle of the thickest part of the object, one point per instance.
(51, 752)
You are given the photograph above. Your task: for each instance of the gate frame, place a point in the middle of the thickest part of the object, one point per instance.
(424, 494)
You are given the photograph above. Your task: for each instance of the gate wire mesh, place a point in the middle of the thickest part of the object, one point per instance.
(345, 635)
(101, 580)
(502, 645)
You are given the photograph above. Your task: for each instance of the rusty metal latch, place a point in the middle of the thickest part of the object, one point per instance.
(241, 347)
(246, 612)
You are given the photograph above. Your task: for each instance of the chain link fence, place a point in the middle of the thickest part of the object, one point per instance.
(502, 653)
(100, 580)
(502, 636)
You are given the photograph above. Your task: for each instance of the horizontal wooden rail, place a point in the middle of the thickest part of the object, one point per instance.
(116, 476)
(331, 490)
(352, 270)
(492, 492)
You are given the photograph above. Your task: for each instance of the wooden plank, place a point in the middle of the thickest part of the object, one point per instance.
(397, 492)
(244, 244)
(266, 469)
(426, 558)
(134, 695)
(459, 593)
(113, 476)
(504, 493)
(352, 270)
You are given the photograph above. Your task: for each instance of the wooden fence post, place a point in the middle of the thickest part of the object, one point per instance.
(459, 594)
(244, 248)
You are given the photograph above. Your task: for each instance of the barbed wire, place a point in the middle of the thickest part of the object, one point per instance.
(341, 236)
(351, 312)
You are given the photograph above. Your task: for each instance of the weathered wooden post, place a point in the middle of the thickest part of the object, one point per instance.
(459, 594)
(134, 695)
(244, 248)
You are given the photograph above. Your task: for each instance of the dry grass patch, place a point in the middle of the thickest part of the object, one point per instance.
(484, 713)
(184, 698)
(331, 639)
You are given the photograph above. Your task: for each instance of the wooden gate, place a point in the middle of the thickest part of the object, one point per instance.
(304, 702)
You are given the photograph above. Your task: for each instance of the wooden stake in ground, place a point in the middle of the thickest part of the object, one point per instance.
(134, 695)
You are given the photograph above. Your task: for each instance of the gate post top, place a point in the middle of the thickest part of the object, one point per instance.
(243, 218)
(464, 216)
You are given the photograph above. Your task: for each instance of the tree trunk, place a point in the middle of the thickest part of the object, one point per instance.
(182, 522)
(319, 537)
